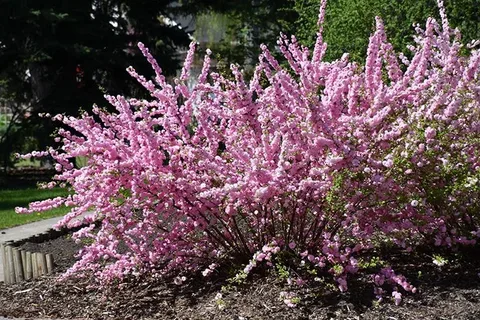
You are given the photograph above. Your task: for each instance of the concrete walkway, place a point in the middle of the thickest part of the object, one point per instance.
(25, 231)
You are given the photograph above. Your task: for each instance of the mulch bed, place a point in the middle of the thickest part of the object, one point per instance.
(450, 292)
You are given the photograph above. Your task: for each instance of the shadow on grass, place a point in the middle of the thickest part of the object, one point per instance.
(9, 199)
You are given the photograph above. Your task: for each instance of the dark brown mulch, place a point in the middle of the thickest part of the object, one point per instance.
(450, 292)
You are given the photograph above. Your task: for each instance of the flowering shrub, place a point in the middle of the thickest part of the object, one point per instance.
(323, 160)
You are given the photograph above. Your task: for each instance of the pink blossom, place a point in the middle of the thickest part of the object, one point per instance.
(324, 161)
(261, 256)
(388, 163)
(397, 297)
(430, 133)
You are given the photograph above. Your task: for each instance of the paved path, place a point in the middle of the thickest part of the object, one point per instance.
(25, 231)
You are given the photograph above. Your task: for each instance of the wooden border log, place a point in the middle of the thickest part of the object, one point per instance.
(29, 272)
(24, 262)
(34, 266)
(17, 264)
(4, 263)
(49, 258)
(6, 269)
(42, 264)
(11, 268)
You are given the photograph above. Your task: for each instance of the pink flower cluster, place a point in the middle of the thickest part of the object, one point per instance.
(324, 159)
(387, 275)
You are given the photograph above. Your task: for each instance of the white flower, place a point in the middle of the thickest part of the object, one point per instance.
(471, 182)
(179, 280)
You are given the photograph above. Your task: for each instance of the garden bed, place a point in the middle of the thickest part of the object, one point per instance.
(448, 292)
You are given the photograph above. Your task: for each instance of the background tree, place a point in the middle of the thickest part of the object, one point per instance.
(246, 25)
(350, 22)
(58, 56)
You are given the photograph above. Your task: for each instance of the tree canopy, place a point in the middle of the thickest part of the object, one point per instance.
(350, 22)
(246, 25)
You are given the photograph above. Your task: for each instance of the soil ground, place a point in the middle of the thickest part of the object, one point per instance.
(450, 292)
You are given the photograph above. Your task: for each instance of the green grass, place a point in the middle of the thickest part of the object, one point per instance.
(27, 163)
(9, 199)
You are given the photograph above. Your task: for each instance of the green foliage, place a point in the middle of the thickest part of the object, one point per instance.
(373, 263)
(81, 162)
(282, 271)
(242, 26)
(221, 304)
(239, 279)
(439, 260)
(350, 22)
(228, 288)
(211, 27)
(338, 269)
(296, 300)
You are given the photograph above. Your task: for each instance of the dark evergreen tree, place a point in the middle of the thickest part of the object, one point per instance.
(60, 56)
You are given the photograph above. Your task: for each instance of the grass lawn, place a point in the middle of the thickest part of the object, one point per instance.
(9, 199)
(27, 163)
